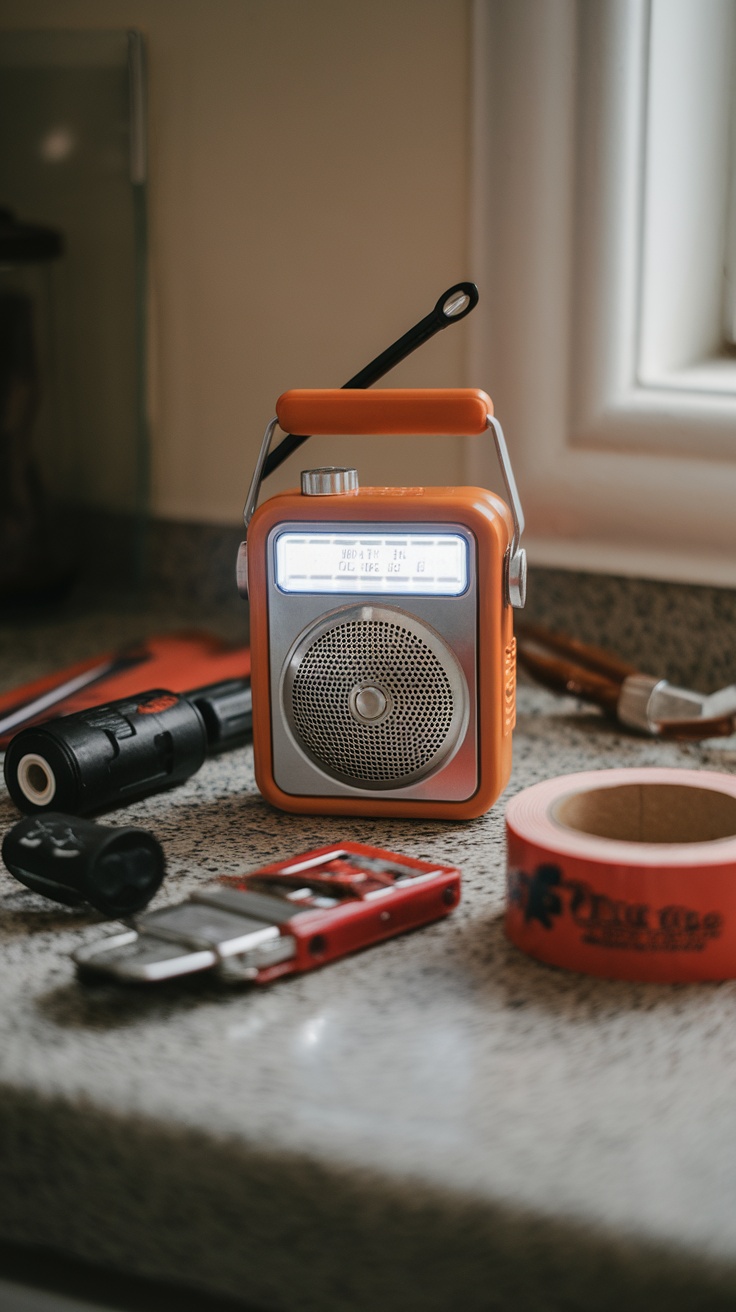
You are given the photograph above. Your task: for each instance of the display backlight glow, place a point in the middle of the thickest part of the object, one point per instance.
(431, 564)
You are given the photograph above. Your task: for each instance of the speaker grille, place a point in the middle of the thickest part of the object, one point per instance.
(410, 673)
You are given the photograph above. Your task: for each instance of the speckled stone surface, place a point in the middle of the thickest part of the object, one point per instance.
(435, 1124)
(682, 633)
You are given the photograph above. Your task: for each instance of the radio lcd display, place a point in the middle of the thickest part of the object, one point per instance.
(433, 564)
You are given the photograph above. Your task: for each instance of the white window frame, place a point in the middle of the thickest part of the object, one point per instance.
(625, 459)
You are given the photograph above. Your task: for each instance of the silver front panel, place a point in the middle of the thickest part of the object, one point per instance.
(391, 680)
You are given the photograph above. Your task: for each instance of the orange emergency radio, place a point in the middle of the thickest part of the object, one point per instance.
(382, 648)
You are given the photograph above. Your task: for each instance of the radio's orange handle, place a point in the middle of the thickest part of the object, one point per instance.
(442, 410)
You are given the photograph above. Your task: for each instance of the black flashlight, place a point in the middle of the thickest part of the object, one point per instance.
(76, 861)
(108, 755)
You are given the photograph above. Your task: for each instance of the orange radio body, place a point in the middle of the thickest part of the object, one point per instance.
(382, 649)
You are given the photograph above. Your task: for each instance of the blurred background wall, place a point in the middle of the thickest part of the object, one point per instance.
(307, 202)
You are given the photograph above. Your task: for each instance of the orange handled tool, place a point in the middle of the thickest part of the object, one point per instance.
(644, 702)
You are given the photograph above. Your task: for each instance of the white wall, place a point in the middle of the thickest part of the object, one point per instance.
(308, 202)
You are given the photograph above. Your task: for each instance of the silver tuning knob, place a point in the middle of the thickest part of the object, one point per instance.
(329, 482)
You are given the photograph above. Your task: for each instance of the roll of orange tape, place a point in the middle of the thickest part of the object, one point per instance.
(629, 874)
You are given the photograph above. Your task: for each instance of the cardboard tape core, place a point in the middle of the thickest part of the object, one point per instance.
(650, 813)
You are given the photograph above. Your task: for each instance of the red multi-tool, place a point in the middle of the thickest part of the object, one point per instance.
(281, 919)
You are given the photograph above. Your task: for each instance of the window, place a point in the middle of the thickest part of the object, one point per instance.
(603, 218)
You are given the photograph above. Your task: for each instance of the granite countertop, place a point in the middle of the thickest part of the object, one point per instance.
(436, 1123)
